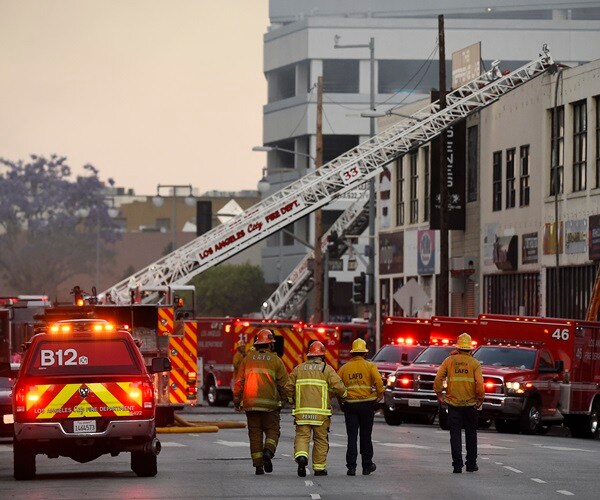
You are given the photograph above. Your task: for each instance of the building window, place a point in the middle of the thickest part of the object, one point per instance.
(557, 154)
(579, 146)
(399, 192)
(414, 185)
(426, 187)
(524, 180)
(510, 178)
(340, 75)
(472, 163)
(597, 142)
(497, 182)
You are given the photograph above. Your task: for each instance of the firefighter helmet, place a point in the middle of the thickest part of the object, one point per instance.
(316, 349)
(359, 345)
(464, 342)
(264, 337)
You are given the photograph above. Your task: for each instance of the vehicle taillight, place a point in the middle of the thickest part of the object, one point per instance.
(142, 393)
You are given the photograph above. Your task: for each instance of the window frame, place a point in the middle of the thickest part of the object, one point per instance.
(557, 165)
(496, 181)
(400, 191)
(510, 178)
(414, 186)
(524, 174)
(579, 172)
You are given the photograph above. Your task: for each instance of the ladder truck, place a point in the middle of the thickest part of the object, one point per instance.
(332, 180)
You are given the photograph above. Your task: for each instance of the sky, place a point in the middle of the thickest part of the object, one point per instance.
(148, 91)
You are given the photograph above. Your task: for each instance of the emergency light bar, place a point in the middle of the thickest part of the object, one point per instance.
(514, 342)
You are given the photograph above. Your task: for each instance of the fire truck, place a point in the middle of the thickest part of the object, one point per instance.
(409, 391)
(165, 329)
(216, 344)
(540, 372)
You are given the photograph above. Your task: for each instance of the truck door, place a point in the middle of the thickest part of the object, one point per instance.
(549, 384)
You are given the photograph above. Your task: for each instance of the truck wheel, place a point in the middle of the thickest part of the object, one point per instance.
(144, 464)
(443, 419)
(586, 426)
(391, 417)
(24, 462)
(531, 417)
(215, 397)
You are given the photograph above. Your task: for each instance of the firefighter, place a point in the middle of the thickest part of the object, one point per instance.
(260, 390)
(365, 388)
(308, 389)
(464, 395)
(240, 353)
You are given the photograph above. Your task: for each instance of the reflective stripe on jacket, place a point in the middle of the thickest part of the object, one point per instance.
(464, 379)
(308, 388)
(260, 382)
(362, 379)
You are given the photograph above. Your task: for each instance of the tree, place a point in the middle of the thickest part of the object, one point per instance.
(50, 224)
(230, 290)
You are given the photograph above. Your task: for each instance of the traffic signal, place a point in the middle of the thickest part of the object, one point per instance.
(333, 245)
(359, 289)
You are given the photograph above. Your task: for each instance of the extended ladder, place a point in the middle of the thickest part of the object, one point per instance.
(331, 180)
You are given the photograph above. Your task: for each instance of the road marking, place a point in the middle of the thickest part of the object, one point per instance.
(563, 448)
(541, 481)
(507, 440)
(232, 444)
(565, 492)
(406, 445)
(493, 447)
(376, 441)
(513, 469)
(336, 445)
(340, 435)
(485, 458)
(498, 463)
(315, 496)
(285, 455)
(308, 483)
(171, 444)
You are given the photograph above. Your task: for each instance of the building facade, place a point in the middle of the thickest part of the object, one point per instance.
(309, 39)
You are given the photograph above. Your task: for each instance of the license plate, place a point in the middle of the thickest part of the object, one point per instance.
(84, 426)
(8, 419)
(414, 402)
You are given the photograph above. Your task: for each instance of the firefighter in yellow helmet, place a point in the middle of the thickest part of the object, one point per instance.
(260, 390)
(308, 389)
(464, 394)
(365, 388)
(240, 353)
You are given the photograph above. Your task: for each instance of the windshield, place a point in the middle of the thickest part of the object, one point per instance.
(434, 355)
(393, 353)
(89, 357)
(506, 356)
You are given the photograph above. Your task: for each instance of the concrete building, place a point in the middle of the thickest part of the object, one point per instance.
(300, 46)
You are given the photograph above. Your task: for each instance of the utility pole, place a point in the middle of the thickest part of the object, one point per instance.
(443, 285)
(318, 270)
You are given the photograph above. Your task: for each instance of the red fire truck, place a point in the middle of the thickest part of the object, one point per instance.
(539, 372)
(216, 344)
(409, 391)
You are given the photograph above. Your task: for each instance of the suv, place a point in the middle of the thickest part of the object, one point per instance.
(409, 392)
(7, 374)
(83, 391)
(391, 356)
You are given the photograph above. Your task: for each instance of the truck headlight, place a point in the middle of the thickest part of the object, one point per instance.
(391, 380)
(515, 388)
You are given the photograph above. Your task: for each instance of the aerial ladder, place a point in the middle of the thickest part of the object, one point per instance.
(330, 181)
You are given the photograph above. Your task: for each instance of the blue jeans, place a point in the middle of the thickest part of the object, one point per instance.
(359, 419)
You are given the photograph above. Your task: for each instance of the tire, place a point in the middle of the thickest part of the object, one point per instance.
(531, 417)
(443, 419)
(391, 417)
(144, 464)
(24, 462)
(587, 426)
(216, 397)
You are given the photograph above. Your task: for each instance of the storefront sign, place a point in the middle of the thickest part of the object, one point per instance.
(594, 237)
(576, 233)
(506, 252)
(550, 238)
(426, 252)
(391, 253)
(529, 248)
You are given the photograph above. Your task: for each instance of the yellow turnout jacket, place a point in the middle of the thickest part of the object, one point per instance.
(464, 380)
(362, 379)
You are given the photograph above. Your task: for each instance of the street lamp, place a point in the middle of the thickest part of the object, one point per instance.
(158, 201)
(369, 292)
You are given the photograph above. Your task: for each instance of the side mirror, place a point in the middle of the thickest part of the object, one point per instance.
(404, 359)
(160, 365)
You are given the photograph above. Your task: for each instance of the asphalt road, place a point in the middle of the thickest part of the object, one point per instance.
(413, 461)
